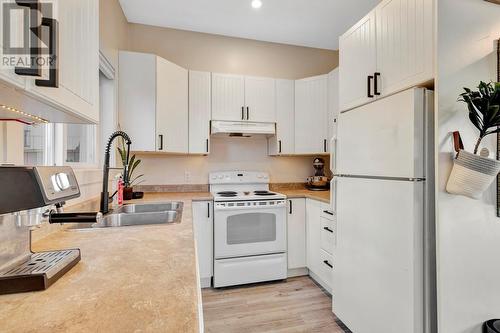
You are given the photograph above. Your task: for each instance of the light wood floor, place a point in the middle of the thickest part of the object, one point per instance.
(297, 305)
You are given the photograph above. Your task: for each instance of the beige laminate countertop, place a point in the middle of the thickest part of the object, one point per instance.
(131, 279)
(316, 195)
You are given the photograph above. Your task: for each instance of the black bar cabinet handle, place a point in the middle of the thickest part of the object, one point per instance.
(279, 145)
(376, 77)
(370, 79)
(53, 80)
(325, 145)
(34, 46)
(327, 212)
(207, 145)
(242, 113)
(208, 209)
(161, 142)
(248, 113)
(328, 229)
(291, 207)
(327, 263)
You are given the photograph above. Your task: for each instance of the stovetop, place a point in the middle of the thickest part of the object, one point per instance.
(247, 195)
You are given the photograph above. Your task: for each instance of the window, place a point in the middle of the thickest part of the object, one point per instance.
(60, 144)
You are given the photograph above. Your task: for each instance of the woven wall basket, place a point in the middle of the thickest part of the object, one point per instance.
(472, 175)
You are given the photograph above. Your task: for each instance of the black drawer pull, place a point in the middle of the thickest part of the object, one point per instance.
(327, 263)
(279, 145)
(327, 212)
(328, 229)
(370, 79)
(291, 206)
(376, 77)
(242, 113)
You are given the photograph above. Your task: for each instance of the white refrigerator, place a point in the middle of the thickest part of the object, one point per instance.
(383, 196)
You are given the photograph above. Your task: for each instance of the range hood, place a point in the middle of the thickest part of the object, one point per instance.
(242, 128)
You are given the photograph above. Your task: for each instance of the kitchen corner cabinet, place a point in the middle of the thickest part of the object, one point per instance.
(333, 105)
(311, 115)
(203, 232)
(283, 143)
(200, 108)
(153, 99)
(389, 50)
(240, 98)
(296, 226)
(78, 56)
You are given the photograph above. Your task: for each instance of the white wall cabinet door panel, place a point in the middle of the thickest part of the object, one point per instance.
(405, 44)
(228, 97)
(260, 99)
(297, 233)
(137, 99)
(78, 56)
(199, 112)
(313, 232)
(203, 232)
(358, 60)
(284, 141)
(333, 105)
(311, 115)
(172, 113)
(15, 39)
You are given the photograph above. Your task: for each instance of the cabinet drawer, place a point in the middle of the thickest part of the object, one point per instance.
(326, 271)
(328, 235)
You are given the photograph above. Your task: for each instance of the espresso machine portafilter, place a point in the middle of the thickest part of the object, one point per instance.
(29, 196)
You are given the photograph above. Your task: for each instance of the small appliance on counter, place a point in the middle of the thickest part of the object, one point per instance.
(319, 182)
(492, 326)
(28, 196)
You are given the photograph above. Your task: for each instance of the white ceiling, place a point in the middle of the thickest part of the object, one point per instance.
(313, 23)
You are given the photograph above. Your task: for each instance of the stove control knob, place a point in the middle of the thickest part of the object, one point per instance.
(259, 176)
(266, 177)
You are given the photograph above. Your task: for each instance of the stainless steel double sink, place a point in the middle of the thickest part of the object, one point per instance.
(139, 214)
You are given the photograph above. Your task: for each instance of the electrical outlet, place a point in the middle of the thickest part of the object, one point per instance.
(187, 177)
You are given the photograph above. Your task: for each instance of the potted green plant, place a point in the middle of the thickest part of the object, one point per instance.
(472, 174)
(129, 178)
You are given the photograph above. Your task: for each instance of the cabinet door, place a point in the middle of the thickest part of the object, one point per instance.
(357, 61)
(313, 232)
(284, 141)
(311, 115)
(199, 112)
(228, 97)
(203, 232)
(137, 99)
(172, 114)
(78, 90)
(297, 233)
(260, 99)
(333, 105)
(15, 39)
(405, 44)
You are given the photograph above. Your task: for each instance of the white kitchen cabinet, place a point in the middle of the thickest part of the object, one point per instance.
(78, 56)
(358, 63)
(405, 44)
(311, 115)
(296, 233)
(153, 99)
(240, 98)
(228, 97)
(313, 232)
(333, 105)
(260, 99)
(203, 232)
(172, 115)
(283, 143)
(200, 108)
(391, 49)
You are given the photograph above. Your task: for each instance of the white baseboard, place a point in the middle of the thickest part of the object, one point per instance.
(297, 272)
(206, 282)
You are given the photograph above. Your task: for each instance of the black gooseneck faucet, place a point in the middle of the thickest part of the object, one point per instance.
(105, 177)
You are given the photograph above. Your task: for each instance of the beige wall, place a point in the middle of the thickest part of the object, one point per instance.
(113, 29)
(213, 53)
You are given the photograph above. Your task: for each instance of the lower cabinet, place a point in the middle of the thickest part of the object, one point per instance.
(203, 232)
(297, 261)
(320, 231)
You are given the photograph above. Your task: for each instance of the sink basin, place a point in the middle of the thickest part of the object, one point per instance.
(139, 214)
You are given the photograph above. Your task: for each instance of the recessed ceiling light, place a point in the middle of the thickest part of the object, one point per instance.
(256, 4)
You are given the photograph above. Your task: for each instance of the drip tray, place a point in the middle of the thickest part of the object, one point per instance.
(39, 272)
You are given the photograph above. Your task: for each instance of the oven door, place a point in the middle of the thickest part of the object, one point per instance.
(248, 231)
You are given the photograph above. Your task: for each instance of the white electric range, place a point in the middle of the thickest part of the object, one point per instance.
(249, 229)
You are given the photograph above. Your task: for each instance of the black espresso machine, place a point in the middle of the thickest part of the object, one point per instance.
(30, 196)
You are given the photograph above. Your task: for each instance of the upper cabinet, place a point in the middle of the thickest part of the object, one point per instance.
(283, 143)
(357, 63)
(333, 104)
(199, 112)
(311, 115)
(389, 50)
(240, 98)
(153, 101)
(74, 79)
